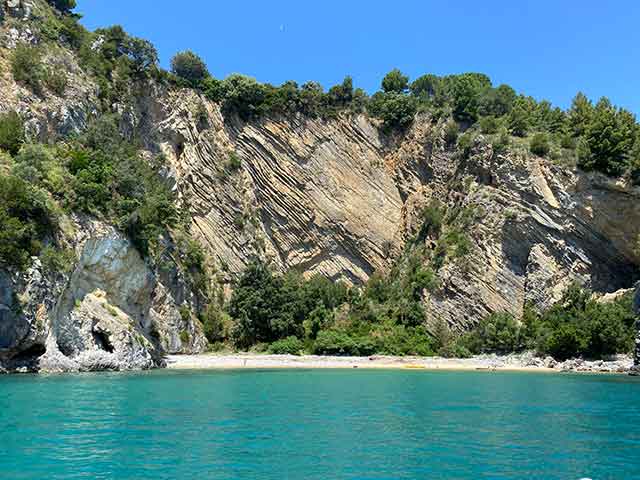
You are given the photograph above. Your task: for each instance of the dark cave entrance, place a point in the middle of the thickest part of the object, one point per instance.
(32, 353)
(102, 340)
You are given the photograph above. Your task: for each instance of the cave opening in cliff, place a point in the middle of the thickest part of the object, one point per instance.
(32, 353)
(102, 340)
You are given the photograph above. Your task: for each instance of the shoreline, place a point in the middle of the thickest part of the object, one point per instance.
(488, 363)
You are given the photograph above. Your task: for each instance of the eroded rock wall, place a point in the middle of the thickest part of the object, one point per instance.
(341, 198)
(114, 311)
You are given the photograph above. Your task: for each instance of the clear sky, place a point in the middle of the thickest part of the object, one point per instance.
(545, 48)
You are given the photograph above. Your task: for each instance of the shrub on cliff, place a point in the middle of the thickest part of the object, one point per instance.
(189, 66)
(395, 109)
(243, 95)
(11, 132)
(25, 220)
(519, 120)
(451, 132)
(26, 66)
(496, 102)
(539, 144)
(341, 95)
(608, 139)
(580, 114)
(395, 81)
(465, 92)
(426, 86)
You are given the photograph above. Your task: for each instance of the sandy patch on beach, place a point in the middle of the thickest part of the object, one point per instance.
(233, 361)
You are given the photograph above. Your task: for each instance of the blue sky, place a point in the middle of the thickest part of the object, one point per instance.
(544, 48)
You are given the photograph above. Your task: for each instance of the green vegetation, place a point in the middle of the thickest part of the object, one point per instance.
(99, 172)
(287, 346)
(539, 145)
(56, 260)
(396, 110)
(56, 82)
(118, 62)
(609, 135)
(189, 67)
(288, 314)
(234, 163)
(395, 81)
(267, 307)
(216, 323)
(11, 132)
(386, 316)
(26, 221)
(602, 137)
(596, 137)
(577, 326)
(27, 67)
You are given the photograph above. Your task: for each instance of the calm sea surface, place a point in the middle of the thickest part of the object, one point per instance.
(319, 424)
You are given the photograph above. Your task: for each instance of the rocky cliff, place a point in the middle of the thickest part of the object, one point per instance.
(111, 311)
(338, 197)
(341, 198)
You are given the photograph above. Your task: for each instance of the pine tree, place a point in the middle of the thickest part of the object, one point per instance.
(580, 114)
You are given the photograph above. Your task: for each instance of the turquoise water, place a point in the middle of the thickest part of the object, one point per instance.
(319, 424)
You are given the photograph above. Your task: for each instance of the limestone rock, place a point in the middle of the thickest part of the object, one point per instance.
(339, 198)
(113, 312)
(25, 301)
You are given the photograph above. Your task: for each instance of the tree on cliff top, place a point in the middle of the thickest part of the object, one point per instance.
(189, 66)
(395, 81)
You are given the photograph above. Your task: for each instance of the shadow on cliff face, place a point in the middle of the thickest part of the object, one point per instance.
(584, 255)
(14, 326)
(29, 355)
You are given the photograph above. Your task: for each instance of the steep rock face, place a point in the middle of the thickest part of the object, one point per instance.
(310, 194)
(536, 234)
(340, 198)
(112, 312)
(25, 303)
(46, 114)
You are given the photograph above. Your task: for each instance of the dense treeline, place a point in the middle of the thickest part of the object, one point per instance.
(577, 326)
(290, 314)
(596, 136)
